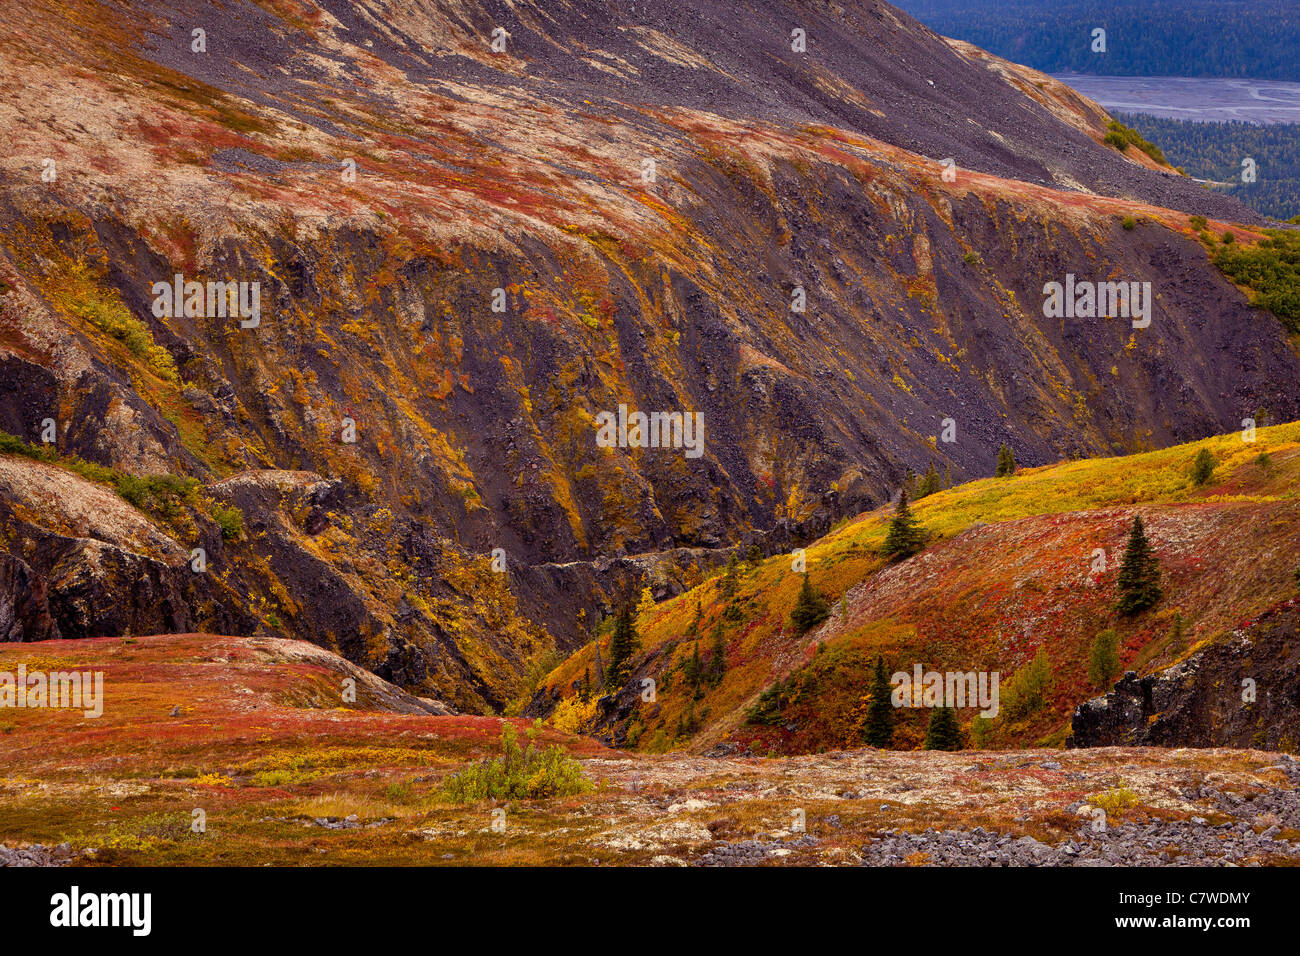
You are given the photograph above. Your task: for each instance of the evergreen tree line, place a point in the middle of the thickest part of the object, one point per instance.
(1214, 151)
(1227, 38)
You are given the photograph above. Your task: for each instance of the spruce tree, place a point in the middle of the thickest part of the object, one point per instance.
(1139, 575)
(1006, 462)
(1103, 658)
(879, 730)
(905, 537)
(622, 647)
(943, 732)
(693, 668)
(929, 482)
(717, 666)
(810, 609)
(730, 585)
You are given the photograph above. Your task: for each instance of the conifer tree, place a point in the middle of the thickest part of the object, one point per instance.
(905, 537)
(693, 668)
(1006, 462)
(717, 666)
(729, 582)
(943, 732)
(879, 730)
(730, 585)
(810, 609)
(623, 646)
(929, 482)
(1139, 574)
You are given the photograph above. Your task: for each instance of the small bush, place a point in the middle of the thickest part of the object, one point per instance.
(1120, 798)
(1197, 222)
(1202, 467)
(573, 715)
(1103, 659)
(518, 773)
(231, 521)
(1026, 692)
(1121, 137)
(1128, 222)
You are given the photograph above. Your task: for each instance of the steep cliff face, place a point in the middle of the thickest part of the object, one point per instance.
(463, 257)
(1243, 690)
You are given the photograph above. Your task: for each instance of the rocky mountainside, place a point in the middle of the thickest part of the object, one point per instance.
(469, 229)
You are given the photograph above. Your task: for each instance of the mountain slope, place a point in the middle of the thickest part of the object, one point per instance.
(1012, 567)
(775, 173)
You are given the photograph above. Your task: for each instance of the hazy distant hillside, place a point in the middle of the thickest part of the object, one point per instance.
(1247, 38)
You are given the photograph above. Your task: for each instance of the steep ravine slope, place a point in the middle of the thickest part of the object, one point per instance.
(381, 172)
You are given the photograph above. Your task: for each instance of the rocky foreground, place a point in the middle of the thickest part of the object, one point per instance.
(1112, 806)
(1031, 808)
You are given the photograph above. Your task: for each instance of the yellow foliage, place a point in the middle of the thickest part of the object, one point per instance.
(573, 715)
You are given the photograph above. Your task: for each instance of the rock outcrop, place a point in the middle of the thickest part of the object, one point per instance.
(1243, 690)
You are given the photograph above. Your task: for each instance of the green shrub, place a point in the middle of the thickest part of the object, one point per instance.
(1128, 222)
(231, 521)
(1103, 659)
(519, 773)
(1202, 467)
(1270, 269)
(1120, 137)
(1111, 801)
(1026, 692)
(110, 316)
(159, 494)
